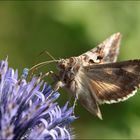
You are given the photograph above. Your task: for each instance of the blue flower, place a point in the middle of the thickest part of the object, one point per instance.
(28, 110)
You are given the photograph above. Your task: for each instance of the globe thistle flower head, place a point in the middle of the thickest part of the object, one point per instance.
(28, 110)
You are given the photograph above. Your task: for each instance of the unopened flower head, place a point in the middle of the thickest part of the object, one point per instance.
(28, 110)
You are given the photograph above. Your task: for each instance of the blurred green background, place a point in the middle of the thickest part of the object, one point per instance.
(69, 28)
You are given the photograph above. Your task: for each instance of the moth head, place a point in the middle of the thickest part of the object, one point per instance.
(62, 64)
(69, 66)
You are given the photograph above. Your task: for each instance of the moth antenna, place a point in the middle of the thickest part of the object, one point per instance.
(35, 67)
(44, 52)
(47, 54)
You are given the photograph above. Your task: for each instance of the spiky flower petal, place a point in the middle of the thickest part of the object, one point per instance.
(28, 110)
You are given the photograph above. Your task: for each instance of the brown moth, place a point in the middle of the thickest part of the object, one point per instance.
(95, 77)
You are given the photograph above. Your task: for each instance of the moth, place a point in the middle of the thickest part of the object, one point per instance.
(95, 77)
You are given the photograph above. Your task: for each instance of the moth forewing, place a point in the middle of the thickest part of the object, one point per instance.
(105, 52)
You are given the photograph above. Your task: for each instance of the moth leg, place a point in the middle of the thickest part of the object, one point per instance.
(69, 98)
(46, 74)
(75, 103)
(50, 73)
(58, 85)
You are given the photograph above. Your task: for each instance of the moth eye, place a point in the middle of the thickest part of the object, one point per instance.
(62, 66)
(91, 61)
(99, 57)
